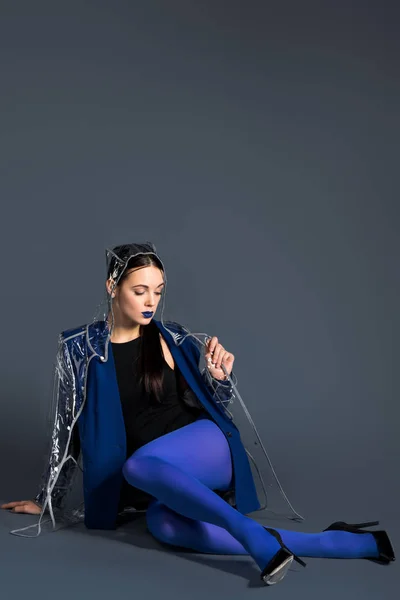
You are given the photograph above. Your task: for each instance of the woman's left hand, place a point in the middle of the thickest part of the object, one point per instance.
(215, 356)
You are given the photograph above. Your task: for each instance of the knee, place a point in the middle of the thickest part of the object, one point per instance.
(139, 467)
(132, 469)
(162, 524)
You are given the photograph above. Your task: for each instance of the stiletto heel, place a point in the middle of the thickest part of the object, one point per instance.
(280, 563)
(385, 548)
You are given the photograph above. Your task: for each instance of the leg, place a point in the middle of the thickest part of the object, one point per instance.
(182, 468)
(169, 527)
(172, 528)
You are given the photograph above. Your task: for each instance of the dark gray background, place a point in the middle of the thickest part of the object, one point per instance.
(256, 144)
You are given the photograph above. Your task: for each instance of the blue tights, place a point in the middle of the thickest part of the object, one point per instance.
(182, 468)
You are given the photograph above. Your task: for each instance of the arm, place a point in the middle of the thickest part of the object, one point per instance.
(63, 402)
(221, 391)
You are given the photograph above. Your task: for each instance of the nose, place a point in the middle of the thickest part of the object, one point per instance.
(151, 305)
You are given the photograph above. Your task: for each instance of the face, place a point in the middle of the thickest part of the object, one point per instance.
(139, 292)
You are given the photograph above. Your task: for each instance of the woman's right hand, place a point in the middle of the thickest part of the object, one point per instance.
(23, 506)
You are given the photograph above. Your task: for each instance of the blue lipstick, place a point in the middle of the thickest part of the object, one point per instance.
(147, 315)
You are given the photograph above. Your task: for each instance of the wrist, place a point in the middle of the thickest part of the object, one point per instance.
(222, 379)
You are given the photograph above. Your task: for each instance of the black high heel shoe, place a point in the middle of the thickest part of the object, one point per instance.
(386, 552)
(280, 563)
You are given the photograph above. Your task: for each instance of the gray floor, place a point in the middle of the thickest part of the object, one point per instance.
(128, 561)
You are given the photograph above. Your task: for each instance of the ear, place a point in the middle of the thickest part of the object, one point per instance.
(109, 284)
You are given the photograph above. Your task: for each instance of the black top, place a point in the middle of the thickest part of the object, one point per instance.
(146, 419)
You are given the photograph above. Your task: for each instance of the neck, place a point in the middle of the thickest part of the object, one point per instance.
(123, 332)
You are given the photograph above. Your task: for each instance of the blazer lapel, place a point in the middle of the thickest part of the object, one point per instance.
(185, 360)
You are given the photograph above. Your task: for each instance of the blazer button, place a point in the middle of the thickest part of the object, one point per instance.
(229, 434)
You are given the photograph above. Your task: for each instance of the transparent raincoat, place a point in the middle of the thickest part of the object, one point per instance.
(76, 348)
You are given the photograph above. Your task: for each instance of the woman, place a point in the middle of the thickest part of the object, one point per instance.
(179, 459)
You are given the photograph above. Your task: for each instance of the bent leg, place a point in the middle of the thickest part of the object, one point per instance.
(180, 468)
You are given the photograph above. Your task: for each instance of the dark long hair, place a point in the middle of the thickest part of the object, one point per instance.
(151, 361)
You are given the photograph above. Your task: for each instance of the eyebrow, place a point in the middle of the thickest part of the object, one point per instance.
(146, 286)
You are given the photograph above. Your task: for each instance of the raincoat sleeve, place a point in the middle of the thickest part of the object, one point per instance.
(58, 470)
(221, 391)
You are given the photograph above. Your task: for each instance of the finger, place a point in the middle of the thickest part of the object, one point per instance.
(19, 509)
(228, 358)
(12, 504)
(218, 353)
(222, 359)
(207, 351)
(215, 370)
(210, 363)
(213, 343)
(207, 355)
(209, 348)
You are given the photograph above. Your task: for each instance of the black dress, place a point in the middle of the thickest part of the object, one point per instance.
(146, 420)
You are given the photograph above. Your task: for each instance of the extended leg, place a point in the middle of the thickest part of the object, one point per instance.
(173, 528)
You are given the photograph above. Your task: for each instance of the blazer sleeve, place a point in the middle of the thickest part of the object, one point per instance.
(62, 442)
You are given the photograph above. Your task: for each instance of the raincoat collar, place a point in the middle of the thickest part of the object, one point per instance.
(98, 336)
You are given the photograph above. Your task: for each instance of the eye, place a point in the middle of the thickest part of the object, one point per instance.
(141, 293)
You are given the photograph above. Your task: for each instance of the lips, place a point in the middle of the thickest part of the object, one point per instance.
(147, 313)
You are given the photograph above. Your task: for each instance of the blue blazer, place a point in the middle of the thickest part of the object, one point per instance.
(103, 439)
